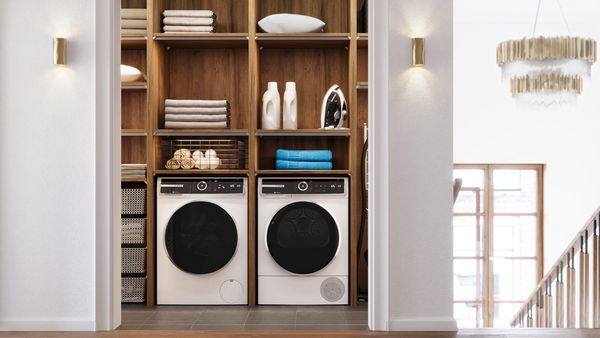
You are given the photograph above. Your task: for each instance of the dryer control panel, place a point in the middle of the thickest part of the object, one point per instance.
(303, 186)
(202, 186)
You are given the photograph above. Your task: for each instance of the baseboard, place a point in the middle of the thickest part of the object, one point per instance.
(24, 325)
(423, 324)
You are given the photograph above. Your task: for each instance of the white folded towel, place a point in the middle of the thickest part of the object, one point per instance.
(194, 29)
(137, 31)
(196, 110)
(192, 125)
(183, 21)
(197, 103)
(196, 118)
(189, 13)
(133, 23)
(133, 13)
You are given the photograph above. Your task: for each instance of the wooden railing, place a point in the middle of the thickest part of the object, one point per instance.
(563, 298)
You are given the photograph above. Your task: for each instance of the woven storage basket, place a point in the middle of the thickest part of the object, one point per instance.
(133, 201)
(133, 289)
(133, 230)
(133, 260)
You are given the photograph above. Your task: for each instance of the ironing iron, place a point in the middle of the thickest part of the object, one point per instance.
(334, 110)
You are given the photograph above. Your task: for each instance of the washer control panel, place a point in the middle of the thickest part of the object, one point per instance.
(202, 186)
(303, 186)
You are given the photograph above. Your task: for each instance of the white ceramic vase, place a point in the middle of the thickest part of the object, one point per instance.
(271, 108)
(290, 106)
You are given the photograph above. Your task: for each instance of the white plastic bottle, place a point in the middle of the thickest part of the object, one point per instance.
(290, 106)
(271, 108)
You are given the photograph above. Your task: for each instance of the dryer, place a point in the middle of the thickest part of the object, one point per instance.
(302, 241)
(201, 241)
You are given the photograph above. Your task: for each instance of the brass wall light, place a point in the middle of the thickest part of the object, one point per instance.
(418, 52)
(60, 51)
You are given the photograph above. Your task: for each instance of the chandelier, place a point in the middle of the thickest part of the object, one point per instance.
(546, 70)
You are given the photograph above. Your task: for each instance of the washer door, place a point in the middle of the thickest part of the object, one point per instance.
(303, 237)
(201, 238)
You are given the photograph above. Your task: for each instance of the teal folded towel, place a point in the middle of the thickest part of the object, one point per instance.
(298, 165)
(304, 155)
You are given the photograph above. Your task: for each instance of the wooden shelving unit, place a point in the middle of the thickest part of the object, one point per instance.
(235, 64)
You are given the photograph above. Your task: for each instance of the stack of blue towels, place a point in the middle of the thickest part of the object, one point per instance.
(304, 159)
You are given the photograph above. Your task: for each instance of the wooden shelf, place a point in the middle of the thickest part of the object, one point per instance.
(363, 40)
(303, 172)
(133, 132)
(318, 40)
(214, 40)
(304, 132)
(202, 172)
(134, 86)
(133, 180)
(201, 132)
(133, 41)
(362, 86)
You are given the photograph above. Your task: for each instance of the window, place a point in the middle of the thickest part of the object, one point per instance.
(497, 242)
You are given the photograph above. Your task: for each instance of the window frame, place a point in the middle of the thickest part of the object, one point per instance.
(487, 238)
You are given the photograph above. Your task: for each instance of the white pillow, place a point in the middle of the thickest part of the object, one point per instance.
(291, 23)
(130, 74)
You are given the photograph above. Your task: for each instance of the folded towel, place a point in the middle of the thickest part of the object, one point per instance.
(193, 125)
(189, 13)
(196, 110)
(196, 118)
(194, 29)
(197, 103)
(137, 31)
(296, 165)
(304, 155)
(133, 24)
(183, 21)
(133, 13)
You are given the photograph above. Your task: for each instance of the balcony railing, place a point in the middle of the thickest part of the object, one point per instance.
(569, 294)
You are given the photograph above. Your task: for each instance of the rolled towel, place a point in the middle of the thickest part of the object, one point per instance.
(194, 125)
(133, 13)
(183, 21)
(134, 24)
(196, 118)
(197, 103)
(304, 155)
(189, 13)
(134, 31)
(297, 165)
(196, 110)
(193, 29)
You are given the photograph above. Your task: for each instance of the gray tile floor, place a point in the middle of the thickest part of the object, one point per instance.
(140, 317)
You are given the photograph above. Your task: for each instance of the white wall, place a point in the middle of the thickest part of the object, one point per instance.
(47, 166)
(490, 128)
(414, 127)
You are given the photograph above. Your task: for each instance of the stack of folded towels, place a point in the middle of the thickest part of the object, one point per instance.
(193, 114)
(133, 20)
(194, 21)
(304, 159)
(133, 171)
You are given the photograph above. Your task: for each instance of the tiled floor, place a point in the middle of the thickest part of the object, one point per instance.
(139, 317)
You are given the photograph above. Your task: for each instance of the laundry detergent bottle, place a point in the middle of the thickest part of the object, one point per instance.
(271, 107)
(290, 106)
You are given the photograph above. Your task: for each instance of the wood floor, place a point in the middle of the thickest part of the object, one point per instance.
(533, 333)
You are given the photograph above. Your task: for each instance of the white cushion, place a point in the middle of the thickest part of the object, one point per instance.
(130, 74)
(291, 23)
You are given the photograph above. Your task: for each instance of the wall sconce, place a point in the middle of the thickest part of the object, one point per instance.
(418, 52)
(60, 51)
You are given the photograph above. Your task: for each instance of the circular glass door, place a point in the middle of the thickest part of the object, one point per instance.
(303, 237)
(201, 238)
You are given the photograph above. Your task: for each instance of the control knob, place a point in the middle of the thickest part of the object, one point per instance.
(202, 185)
(303, 186)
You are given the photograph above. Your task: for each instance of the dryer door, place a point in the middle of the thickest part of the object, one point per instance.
(303, 237)
(201, 238)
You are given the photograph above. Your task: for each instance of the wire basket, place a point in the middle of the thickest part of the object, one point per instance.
(232, 152)
(133, 231)
(133, 289)
(133, 201)
(133, 260)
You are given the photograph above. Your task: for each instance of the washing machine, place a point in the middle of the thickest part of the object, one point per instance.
(201, 241)
(302, 241)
